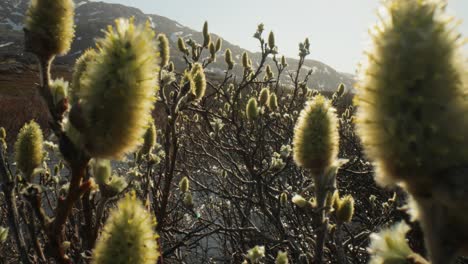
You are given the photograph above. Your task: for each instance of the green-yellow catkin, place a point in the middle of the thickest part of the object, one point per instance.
(212, 49)
(164, 50)
(128, 235)
(412, 107)
(273, 102)
(181, 45)
(271, 40)
(102, 171)
(2, 133)
(59, 89)
(219, 44)
(118, 93)
(79, 71)
(245, 60)
(283, 199)
(251, 109)
(264, 96)
(269, 72)
(345, 210)
(149, 138)
(184, 185)
(186, 82)
(228, 59)
(199, 80)
(51, 24)
(282, 258)
(171, 67)
(412, 117)
(29, 149)
(206, 35)
(316, 136)
(283, 61)
(3, 234)
(341, 89)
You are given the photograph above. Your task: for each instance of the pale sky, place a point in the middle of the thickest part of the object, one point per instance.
(337, 29)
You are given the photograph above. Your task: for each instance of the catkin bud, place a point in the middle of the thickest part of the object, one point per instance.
(403, 105)
(269, 73)
(128, 235)
(119, 89)
(245, 60)
(219, 44)
(273, 102)
(252, 109)
(340, 90)
(228, 59)
(184, 184)
(299, 201)
(102, 171)
(149, 138)
(3, 234)
(171, 67)
(206, 35)
(284, 199)
(282, 258)
(29, 149)
(283, 61)
(264, 96)
(164, 49)
(345, 209)
(79, 71)
(2, 133)
(212, 49)
(181, 46)
(412, 116)
(199, 80)
(271, 40)
(59, 89)
(49, 27)
(316, 136)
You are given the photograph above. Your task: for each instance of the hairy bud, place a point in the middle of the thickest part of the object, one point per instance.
(29, 149)
(184, 184)
(164, 49)
(118, 92)
(252, 109)
(49, 27)
(199, 80)
(273, 102)
(264, 96)
(79, 71)
(228, 59)
(128, 235)
(316, 136)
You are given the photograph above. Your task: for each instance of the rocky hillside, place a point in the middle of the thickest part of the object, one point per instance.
(92, 17)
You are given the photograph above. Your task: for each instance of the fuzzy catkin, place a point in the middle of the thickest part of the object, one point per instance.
(411, 116)
(316, 136)
(51, 21)
(128, 236)
(118, 92)
(29, 149)
(164, 49)
(79, 71)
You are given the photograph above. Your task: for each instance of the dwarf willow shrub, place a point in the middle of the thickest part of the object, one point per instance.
(241, 168)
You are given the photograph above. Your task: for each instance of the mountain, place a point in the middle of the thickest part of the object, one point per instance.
(92, 17)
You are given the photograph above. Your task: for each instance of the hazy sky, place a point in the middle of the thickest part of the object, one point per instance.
(337, 29)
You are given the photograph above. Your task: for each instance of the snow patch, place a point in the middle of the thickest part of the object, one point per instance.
(152, 24)
(175, 36)
(6, 44)
(179, 25)
(17, 14)
(95, 13)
